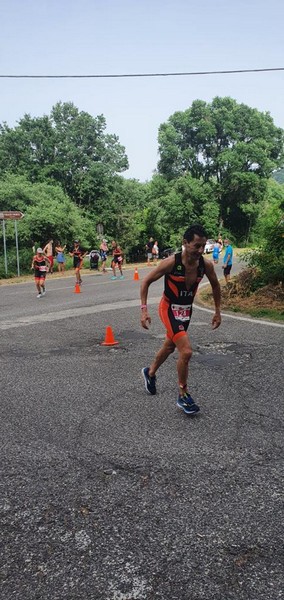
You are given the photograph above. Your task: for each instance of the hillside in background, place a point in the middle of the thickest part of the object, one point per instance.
(279, 176)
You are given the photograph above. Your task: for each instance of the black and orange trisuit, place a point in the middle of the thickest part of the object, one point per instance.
(176, 304)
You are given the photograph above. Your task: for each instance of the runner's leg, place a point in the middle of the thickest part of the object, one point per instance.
(167, 349)
(185, 354)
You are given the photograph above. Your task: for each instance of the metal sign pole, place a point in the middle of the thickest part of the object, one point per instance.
(17, 248)
(5, 251)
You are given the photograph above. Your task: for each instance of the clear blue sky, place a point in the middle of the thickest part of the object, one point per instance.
(129, 36)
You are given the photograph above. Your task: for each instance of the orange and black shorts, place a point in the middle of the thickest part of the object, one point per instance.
(40, 275)
(175, 318)
(78, 264)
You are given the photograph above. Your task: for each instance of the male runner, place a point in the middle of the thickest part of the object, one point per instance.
(117, 259)
(182, 271)
(78, 256)
(40, 265)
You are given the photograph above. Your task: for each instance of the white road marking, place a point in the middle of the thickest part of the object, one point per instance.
(96, 309)
(71, 312)
(66, 287)
(227, 316)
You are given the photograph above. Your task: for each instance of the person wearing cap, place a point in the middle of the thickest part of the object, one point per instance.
(103, 254)
(40, 265)
(78, 256)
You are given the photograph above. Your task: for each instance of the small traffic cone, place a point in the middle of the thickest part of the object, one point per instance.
(77, 289)
(136, 275)
(109, 338)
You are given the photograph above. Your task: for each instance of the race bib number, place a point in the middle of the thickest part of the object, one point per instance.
(42, 269)
(181, 313)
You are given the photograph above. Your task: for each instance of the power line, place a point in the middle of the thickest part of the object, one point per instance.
(124, 75)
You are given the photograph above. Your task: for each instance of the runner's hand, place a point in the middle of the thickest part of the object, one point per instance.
(216, 321)
(144, 319)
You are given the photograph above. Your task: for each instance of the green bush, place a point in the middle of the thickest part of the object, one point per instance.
(269, 257)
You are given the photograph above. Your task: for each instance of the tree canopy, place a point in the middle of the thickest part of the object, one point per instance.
(233, 145)
(64, 171)
(69, 147)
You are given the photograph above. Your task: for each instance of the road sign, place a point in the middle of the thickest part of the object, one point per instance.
(11, 214)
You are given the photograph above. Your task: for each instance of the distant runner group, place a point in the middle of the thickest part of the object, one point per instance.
(43, 261)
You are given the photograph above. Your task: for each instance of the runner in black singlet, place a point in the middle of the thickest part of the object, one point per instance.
(182, 272)
(78, 255)
(117, 259)
(40, 265)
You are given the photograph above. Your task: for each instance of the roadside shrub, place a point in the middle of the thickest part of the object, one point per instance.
(268, 259)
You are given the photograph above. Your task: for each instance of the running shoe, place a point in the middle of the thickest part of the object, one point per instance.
(187, 404)
(150, 382)
(113, 277)
(43, 291)
(121, 277)
(39, 296)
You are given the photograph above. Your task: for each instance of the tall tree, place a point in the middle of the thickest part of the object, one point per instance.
(68, 146)
(231, 143)
(48, 213)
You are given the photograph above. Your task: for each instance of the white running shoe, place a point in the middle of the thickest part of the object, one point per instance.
(43, 292)
(39, 296)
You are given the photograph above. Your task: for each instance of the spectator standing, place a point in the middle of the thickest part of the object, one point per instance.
(60, 258)
(149, 248)
(216, 252)
(227, 260)
(48, 251)
(155, 252)
(103, 254)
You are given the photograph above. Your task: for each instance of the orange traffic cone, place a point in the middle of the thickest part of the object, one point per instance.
(109, 338)
(77, 289)
(136, 275)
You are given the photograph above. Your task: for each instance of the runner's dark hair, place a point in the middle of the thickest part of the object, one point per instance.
(194, 230)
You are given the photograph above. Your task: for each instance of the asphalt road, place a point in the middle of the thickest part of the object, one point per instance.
(110, 494)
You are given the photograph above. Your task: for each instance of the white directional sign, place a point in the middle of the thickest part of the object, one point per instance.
(11, 214)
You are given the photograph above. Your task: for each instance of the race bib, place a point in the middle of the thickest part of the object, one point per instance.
(180, 312)
(42, 269)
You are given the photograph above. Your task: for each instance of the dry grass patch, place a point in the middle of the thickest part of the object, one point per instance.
(238, 296)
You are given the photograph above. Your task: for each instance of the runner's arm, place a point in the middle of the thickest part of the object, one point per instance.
(164, 267)
(216, 291)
